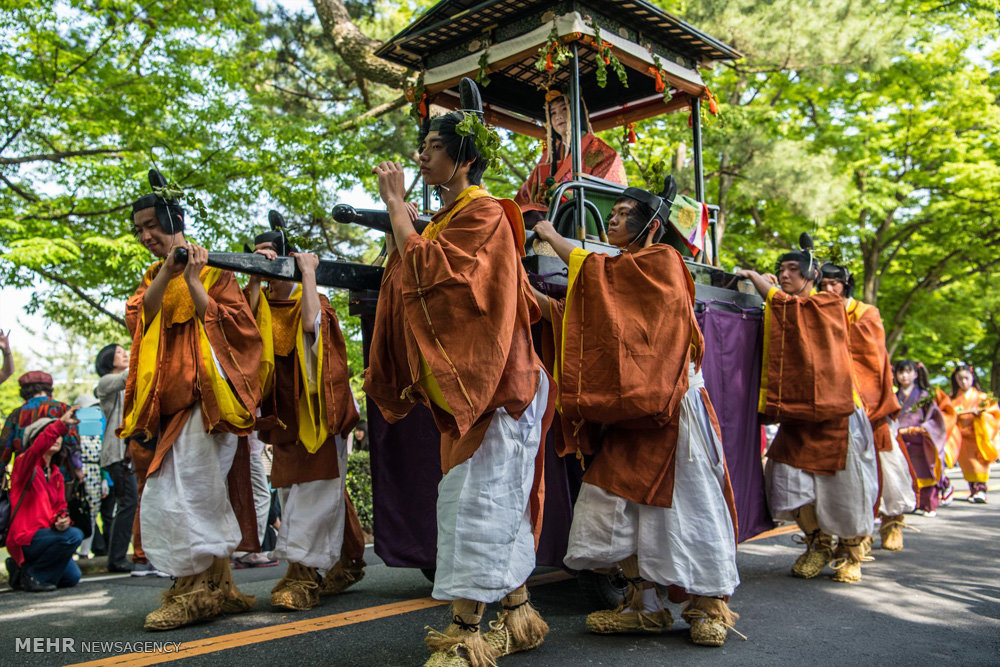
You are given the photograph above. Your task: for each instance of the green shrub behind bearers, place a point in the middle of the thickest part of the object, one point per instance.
(359, 487)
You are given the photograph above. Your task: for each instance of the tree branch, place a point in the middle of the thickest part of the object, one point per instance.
(513, 168)
(80, 293)
(356, 48)
(397, 103)
(61, 155)
(24, 195)
(84, 214)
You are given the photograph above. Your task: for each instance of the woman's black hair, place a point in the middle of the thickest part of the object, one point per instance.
(460, 149)
(639, 218)
(923, 380)
(954, 383)
(34, 388)
(105, 361)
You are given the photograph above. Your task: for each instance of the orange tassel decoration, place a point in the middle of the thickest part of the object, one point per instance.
(660, 86)
(423, 106)
(631, 133)
(548, 62)
(713, 106)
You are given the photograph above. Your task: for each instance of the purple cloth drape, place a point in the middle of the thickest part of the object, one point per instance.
(733, 339)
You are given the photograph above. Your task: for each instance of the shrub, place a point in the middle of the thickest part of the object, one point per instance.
(359, 487)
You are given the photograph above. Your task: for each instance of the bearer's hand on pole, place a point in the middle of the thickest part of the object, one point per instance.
(762, 283)
(391, 182)
(546, 230)
(170, 265)
(197, 260)
(307, 262)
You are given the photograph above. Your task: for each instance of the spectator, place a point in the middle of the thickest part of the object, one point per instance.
(112, 367)
(36, 390)
(361, 437)
(8, 360)
(41, 540)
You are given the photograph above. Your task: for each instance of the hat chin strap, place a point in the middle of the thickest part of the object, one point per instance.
(454, 171)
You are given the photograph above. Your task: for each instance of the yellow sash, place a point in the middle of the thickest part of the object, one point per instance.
(576, 259)
(465, 197)
(274, 331)
(312, 417)
(264, 326)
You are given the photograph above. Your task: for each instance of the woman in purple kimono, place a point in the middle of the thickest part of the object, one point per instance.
(922, 429)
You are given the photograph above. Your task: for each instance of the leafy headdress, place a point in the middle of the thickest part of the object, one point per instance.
(470, 125)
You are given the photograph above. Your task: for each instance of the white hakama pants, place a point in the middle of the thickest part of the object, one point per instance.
(312, 518)
(691, 544)
(844, 501)
(485, 543)
(898, 496)
(187, 520)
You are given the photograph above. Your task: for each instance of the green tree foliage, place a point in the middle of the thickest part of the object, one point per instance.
(10, 397)
(872, 126)
(246, 111)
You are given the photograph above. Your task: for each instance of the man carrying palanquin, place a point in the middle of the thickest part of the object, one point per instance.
(822, 469)
(656, 498)
(874, 383)
(453, 332)
(192, 388)
(306, 414)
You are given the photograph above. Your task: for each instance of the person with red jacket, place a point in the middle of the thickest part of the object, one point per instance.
(42, 540)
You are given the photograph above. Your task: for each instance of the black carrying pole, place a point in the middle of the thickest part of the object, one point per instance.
(699, 168)
(345, 275)
(576, 141)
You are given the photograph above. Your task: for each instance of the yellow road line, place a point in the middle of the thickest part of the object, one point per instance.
(268, 633)
(775, 532)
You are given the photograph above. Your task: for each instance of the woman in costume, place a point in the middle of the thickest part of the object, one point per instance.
(970, 442)
(923, 431)
(556, 164)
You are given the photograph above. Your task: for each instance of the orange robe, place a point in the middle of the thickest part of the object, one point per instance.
(280, 407)
(971, 440)
(872, 370)
(806, 381)
(178, 377)
(599, 159)
(623, 341)
(456, 301)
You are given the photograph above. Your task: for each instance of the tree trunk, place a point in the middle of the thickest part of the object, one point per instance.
(356, 48)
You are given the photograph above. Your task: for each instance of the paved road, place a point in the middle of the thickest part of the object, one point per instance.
(934, 603)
